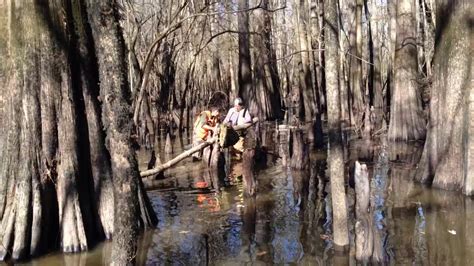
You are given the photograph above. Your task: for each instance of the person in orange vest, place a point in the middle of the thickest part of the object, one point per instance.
(204, 127)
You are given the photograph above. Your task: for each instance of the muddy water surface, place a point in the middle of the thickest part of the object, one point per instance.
(204, 219)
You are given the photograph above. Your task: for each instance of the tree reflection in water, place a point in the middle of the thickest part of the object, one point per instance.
(205, 219)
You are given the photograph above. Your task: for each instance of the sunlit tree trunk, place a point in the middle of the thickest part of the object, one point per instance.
(335, 159)
(317, 35)
(357, 90)
(100, 165)
(428, 18)
(57, 191)
(303, 64)
(406, 119)
(448, 156)
(376, 70)
(114, 92)
(345, 14)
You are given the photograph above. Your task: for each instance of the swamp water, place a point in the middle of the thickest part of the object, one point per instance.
(206, 220)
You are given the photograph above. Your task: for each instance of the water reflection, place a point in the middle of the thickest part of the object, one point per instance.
(379, 185)
(204, 219)
(419, 244)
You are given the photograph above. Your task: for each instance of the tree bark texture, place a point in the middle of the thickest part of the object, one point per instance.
(336, 160)
(131, 207)
(100, 163)
(363, 225)
(267, 81)
(447, 161)
(300, 154)
(357, 89)
(244, 74)
(56, 171)
(346, 14)
(306, 90)
(249, 156)
(406, 119)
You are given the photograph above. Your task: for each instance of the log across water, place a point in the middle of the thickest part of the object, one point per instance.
(190, 152)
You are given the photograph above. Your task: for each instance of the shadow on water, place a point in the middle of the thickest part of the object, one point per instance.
(205, 219)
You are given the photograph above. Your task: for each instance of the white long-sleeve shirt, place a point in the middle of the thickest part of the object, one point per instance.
(237, 117)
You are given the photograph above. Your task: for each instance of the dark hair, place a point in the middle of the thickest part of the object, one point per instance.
(214, 108)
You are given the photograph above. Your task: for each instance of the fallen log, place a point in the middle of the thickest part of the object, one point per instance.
(177, 159)
(191, 151)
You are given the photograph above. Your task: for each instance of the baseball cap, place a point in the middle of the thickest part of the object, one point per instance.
(238, 101)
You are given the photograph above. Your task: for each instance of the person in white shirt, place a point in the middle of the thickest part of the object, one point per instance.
(237, 115)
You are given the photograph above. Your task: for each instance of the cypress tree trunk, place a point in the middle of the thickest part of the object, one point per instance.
(100, 162)
(406, 120)
(55, 172)
(267, 87)
(244, 69)
(116, 117)
(336, 160)
(304, 70)
(357, 89)
(447, 159)
(377, 70)
(346, 14)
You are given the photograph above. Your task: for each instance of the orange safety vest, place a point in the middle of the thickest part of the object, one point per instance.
(201, 132)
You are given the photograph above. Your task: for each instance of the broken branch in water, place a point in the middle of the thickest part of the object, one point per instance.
(190, 152)
(177, 159)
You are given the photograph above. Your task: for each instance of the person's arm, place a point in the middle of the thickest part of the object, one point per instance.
(205, 125)
(202, 121)
(208, 127)
(228, 116)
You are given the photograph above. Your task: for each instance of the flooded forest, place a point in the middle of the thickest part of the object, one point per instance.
(236, 132)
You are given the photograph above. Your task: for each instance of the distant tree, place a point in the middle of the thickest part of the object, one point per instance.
(267, 81)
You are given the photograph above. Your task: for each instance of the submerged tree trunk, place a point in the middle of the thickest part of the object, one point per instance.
(363, 226)
(300, 153)
(336, 160)
(406, 119)
(116, 115)
(448, 160)
(57, 191)
(100, 163)
(251, 145)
